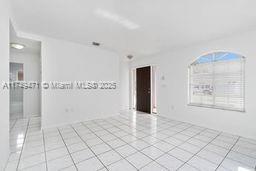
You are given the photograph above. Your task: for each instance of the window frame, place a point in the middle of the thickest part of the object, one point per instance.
(213, 106)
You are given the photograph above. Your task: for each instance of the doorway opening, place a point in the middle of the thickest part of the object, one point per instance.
(143, 89)
(24, 88)
(16, 94)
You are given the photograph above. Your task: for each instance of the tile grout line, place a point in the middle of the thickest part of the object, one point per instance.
(177, 145)
(219, 154)
(110, 147)
(125, 143)
(150, 145)
(13, 125)
(195, 138)
(206, 135)
(228, 153)
(236, 151)
(108, 150)
(106, 142)
(28, 167)
(165, 122)
(116, 138)
(146, 133)
(89, 147)
(160, 139)
(191, 125)
(67, 149)
(244, 154)
(118, 146)
(200, 151)
(46, 162)
(142, 129)
(186, 140)
(23, 144)
(130, 134)
(82, 149)
(10, 132)
(209, 129)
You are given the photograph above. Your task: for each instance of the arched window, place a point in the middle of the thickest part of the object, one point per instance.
(216, 80)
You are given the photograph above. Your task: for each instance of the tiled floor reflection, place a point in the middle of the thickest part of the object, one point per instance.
(21, 131)
(128, 142)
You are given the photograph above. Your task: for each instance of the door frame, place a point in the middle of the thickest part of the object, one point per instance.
(133, 87)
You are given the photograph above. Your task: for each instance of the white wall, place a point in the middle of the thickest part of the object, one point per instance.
(172, 92)
(4, 76)
(124, 84)
(67, 61)
(31, 68)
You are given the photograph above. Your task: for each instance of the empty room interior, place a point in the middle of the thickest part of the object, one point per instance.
(128, 85)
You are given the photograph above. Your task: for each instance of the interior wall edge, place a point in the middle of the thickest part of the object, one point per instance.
(4, 77)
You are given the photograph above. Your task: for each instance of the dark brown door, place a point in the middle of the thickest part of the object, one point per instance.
(143, 89)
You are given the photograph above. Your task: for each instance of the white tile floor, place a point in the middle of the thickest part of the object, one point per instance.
(127, 142)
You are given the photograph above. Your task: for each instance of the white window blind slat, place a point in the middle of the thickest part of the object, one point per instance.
(217, 82)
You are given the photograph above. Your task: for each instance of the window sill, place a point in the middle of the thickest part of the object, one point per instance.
(216, 107)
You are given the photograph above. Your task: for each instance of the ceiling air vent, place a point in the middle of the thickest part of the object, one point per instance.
(95, 43)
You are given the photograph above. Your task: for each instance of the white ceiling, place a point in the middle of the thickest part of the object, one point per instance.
(31, 46)
(138, 27)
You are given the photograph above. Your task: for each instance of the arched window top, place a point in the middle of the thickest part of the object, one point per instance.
(217, 56)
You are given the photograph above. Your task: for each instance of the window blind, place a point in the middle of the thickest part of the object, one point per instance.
(217, 80)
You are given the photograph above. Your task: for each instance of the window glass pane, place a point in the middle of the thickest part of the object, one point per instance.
(205, 59)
